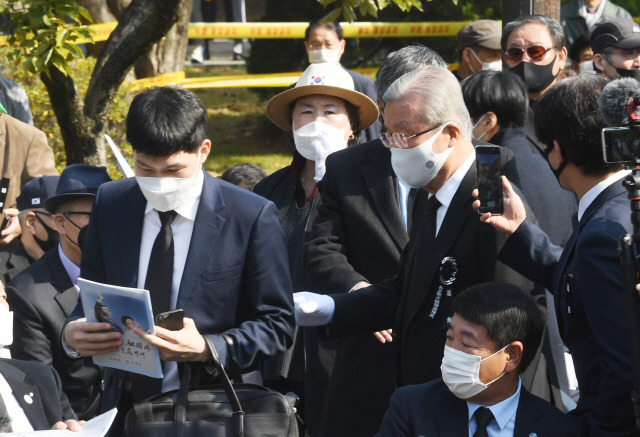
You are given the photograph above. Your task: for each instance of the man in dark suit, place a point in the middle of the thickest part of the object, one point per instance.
(492, 337)
(585, 277)
(222, 258)
(447, 252)
(38, 229)
(45, 294)
(325, 43)
(31, 396)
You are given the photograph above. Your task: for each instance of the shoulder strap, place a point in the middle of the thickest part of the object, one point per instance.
(236, 373)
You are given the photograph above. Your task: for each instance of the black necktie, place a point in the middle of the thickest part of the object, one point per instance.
(429, 223)
(160, 271)
(484, 416)
(5, 419)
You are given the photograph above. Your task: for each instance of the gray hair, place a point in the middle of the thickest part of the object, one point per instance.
(554, 28)
(440, 94)
(400, 62)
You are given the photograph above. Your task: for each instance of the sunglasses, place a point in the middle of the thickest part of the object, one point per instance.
(399, 141)
(536, 53)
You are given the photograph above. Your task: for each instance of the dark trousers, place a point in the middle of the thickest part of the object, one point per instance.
(205, 11)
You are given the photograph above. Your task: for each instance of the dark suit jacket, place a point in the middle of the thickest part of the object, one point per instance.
(42, 297)
(591, 317)
(236, 277)
(431, 410)
(406, 302)
(49, 404)
(14, 261)
(366, 86)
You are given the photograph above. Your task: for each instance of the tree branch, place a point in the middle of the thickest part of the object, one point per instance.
(142, 24)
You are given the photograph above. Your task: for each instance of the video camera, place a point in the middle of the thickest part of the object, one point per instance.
(620, 107)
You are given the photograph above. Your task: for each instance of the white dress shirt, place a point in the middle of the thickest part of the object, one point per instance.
(450, 187)
(504, 414)
(182, 229)
(19, 421)
(72, 270)
(594, 192)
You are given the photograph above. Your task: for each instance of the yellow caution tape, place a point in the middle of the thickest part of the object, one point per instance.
(159, 80)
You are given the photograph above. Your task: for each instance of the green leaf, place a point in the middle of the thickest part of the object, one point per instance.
(85, 14)
(349, 13)
(383, 4)
(355, 3)
(418, 4)
(46, 21)
(332, 16)
(60, 63)
(60, 37)
(326, 2)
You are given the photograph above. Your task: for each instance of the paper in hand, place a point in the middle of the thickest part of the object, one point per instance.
(123, 165)
(96, 427)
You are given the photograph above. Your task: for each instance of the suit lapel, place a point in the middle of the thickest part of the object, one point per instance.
(452, 224)
(206, 229)
(22, 391)
(610, 192)
(379, 177)
(527, 415)
(130, 235)
(67, 295)
(452, 415)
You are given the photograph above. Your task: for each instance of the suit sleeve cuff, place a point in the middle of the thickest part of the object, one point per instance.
(221, 348)
(71, 352)
(358, 283)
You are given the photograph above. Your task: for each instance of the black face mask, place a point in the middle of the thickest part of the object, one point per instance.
(536, 77)
(53, 238)
(557, 171)
(81, 235)
(633, 74)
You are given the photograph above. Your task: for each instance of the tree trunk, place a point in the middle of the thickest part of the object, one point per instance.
(100, 13)
(512, 9)
(142, 24)
(167, 56)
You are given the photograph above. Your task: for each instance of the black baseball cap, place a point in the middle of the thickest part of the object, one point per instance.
(36, 191)
(622, 33)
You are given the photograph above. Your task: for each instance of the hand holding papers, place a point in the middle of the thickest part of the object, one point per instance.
(96, 427)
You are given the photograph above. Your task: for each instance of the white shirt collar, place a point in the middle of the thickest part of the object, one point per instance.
(502, 411)
(448, 189)
(594, 192)
(72, 270)
(189, 208)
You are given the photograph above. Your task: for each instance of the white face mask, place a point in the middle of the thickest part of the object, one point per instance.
(475, 126)
(586, 67)
(461, 372)
(6, 331)
(418, 166)
(492, 66)
(317, 140)
(324, 56)
(166, 194)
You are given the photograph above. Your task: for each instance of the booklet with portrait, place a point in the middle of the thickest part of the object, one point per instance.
(123, 308)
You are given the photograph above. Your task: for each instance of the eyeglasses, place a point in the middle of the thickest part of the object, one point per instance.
(626, 54)
(84, 213)
(399, 141)
(536, 53)
(46, 214)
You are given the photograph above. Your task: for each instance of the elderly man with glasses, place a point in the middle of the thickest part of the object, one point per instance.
(616, 48)
(429, 137)
(45, 294)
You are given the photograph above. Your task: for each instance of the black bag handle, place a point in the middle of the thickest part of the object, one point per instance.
(236, 373)
(182, 399)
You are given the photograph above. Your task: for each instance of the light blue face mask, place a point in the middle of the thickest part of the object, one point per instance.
(474, 128)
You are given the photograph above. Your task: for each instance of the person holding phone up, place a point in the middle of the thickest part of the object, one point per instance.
(585, 276)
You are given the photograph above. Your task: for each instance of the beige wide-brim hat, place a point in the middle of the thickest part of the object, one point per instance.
(328, 80)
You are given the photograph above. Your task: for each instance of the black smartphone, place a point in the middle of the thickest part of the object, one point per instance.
(489, 166)
(4, 189)
(621, 144)
(171, 320)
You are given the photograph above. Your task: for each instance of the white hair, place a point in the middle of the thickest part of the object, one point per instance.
(439, 93)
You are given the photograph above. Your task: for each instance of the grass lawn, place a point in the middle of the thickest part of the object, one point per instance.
(238, 127)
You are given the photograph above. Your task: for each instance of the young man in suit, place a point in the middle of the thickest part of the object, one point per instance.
(491, 339)
(584, 277)
(448, 251)
(31, 396)
(45, 294)
(195, 242)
